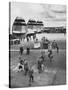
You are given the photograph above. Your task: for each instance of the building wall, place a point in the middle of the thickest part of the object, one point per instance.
(19, 28)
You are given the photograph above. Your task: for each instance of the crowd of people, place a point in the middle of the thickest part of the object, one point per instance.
(24, 66)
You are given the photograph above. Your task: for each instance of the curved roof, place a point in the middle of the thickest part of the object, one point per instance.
(19, 21)
(40, 23)
(31, 22)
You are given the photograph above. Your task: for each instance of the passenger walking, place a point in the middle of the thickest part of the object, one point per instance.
(21, 50)
(50, 52)
(28, 48)
(57, 49)
(28, 51)
(50, 55)
(54, 44)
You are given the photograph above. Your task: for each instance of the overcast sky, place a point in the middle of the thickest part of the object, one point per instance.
(50, 14)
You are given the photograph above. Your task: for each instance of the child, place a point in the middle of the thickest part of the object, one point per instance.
(50, 54)
(43, 56)
(42, 66)
(19, 67)
(31, 76)
(26, 67)
(39, 65)
(57, 49)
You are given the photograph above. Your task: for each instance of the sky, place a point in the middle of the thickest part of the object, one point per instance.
(52, 15)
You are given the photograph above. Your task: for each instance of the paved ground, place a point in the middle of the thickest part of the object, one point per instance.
(54, 73)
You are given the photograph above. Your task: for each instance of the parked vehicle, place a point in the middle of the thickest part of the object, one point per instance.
(14, 41)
